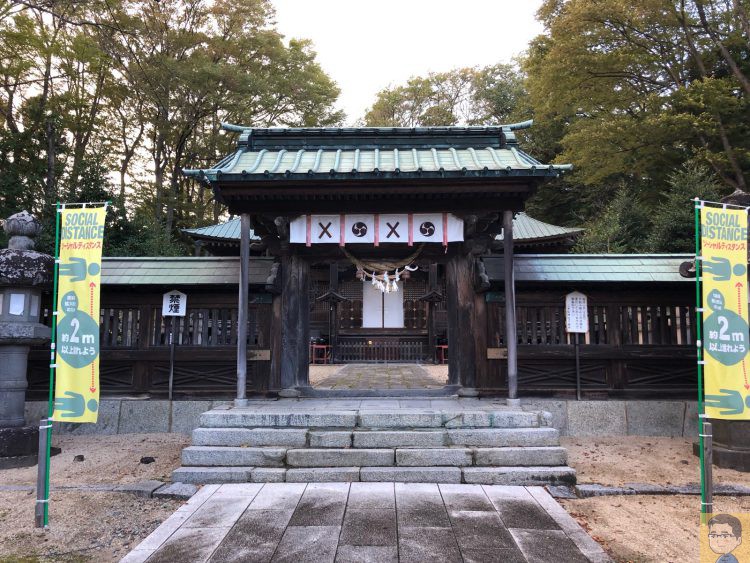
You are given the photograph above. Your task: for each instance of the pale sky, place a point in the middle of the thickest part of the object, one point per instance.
(366, 46)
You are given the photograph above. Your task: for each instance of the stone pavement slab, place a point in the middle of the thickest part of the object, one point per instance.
(372, 495)
(303, 544)
(367, 554)
(372, 526)
(391, 376)
(368, 522)
(322, 504)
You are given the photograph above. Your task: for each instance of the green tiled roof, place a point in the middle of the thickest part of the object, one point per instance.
(169, 271)
(594, 268)
(630, 268)
(278, 153)
(528, 228)
(229, 230)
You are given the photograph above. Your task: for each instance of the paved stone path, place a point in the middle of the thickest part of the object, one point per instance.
(368, 522)
(374, 376)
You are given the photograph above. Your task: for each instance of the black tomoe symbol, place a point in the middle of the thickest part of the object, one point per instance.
(427, 229)
(359, 229)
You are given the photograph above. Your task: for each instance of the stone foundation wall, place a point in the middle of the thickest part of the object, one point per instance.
(572, 418)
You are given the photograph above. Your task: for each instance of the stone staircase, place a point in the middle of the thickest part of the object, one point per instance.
(451, 444)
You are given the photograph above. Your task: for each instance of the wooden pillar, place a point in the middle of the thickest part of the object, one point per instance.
(481, 329)
(460, 300)
(275, 377)
(333, 309)
(510, 306)
(432, 289)
(242, 310)
(616, 371)
(295, 324)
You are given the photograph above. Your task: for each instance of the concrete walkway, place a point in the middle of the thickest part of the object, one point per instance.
(374, 376)
(368, 522)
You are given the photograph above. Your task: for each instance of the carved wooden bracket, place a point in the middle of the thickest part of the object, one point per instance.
(481, 279)
(273, 281)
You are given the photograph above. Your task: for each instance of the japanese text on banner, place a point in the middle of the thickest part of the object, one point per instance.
(725, 327)
(77, 346)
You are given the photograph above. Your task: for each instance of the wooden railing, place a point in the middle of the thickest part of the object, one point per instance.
(639, 344)
(135, 348)
(381, 350)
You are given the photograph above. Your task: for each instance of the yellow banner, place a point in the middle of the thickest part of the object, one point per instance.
(77, 347)
(725, 328)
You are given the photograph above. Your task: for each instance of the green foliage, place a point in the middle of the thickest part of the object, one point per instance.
(640, 88)
(619, 226)
(673, 220)
(142, 236)
(138, 89)
(464, 96)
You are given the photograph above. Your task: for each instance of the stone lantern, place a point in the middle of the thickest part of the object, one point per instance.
(24, 274)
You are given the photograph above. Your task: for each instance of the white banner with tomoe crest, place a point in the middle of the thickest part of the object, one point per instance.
(404, 228)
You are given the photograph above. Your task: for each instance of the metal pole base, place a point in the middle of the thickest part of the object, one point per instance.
(41, 475)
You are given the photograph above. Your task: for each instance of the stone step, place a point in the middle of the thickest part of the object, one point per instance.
(375, 439)
(289, 437)
(237, 456)
(533, 456)
(240, 418)
(216, 456)
(526, 476)
(204, 475)
(411, 474)
(332, 457)
(504, 437)
(399, 438)
(373, 419)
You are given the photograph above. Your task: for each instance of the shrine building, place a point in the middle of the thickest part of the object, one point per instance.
(389, 246)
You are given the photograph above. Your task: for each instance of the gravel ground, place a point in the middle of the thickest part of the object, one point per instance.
(644, 527)
(89, 526)
(640, 459)
(647, 528)
(83, 526)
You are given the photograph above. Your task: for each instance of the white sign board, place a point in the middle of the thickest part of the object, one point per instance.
(174, 304)
(377, 229)
(576, 312)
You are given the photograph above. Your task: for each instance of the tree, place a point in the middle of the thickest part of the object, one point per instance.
(196, 63)
(619, 226)
(139, 88)
(673, 221)
(640, 88)
(464, 96)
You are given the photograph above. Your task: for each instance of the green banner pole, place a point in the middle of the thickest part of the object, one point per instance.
(53, 362)
(699, 346)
